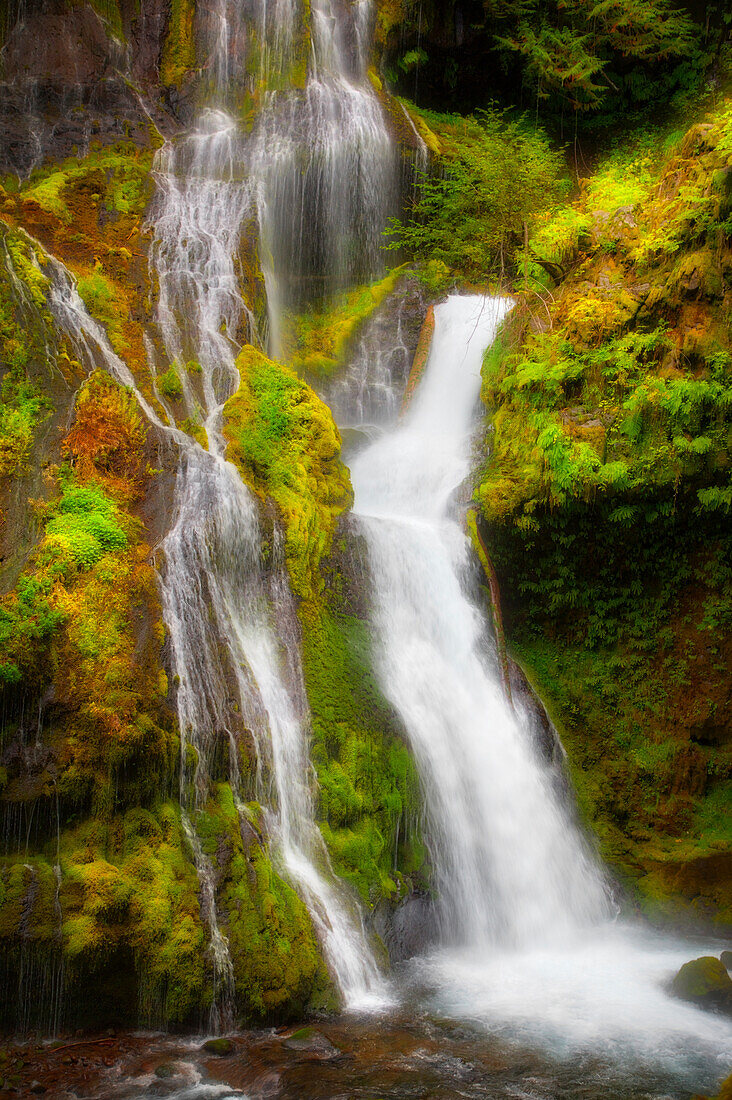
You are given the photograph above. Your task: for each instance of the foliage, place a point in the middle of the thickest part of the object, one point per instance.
(117, 174)
(107, 436)
(574, 54)
(128, 890)
(494, 176)
(170, 384)
(579, 66)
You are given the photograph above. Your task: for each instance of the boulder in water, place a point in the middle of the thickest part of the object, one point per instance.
(309, 1041)
(726, 959)
(219, 1047)
(704, 982)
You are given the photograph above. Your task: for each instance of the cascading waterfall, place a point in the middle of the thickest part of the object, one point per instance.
(327, 165)
(531, 947)
(509, 866)
(225, 641)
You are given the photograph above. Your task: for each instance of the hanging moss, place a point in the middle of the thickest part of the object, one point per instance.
(126, 890)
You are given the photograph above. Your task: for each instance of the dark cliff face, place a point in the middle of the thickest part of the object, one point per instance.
(69, 77)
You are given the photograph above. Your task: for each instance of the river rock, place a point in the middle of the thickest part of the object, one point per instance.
(220, 1047)
(309, 1041)
(726, 959)
(704, 982)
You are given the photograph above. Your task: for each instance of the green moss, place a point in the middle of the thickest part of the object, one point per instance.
(105, 303)
(85, 527)
(278, 966)
(127, 886)
(117, 174)
(109, 10)
(284, 440)
(23, 341)
(701, 978)
(369, 793)
(316, 342)
(170, 384)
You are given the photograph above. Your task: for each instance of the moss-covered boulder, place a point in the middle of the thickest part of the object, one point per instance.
(704, 982)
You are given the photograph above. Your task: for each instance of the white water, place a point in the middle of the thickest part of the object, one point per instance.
(509, 864)
(234, 641)
(530, 950)
(233, 637)
(327, 165)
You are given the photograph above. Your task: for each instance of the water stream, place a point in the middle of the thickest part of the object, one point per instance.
(232, 628)
(509, 865)
(233, 632)
(530, 948)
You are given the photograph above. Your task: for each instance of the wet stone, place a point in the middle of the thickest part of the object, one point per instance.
(309, 1041)
(220, 1047)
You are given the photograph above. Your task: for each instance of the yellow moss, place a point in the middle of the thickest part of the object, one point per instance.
(179, 51)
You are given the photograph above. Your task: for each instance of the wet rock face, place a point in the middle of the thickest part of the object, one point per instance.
(66, 82)
(409, 929)
(61, 47)
(44, 120)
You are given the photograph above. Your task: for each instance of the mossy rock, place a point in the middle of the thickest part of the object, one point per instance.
(220, 1047)
(309, 1041)
(705, 982)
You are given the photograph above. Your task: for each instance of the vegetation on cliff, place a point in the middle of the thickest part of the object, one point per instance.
(284, 440)
(606, 498)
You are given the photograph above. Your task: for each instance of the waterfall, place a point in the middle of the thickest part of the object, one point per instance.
(327, 165)
(234, 644)
(509, 865)
(233, 632)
